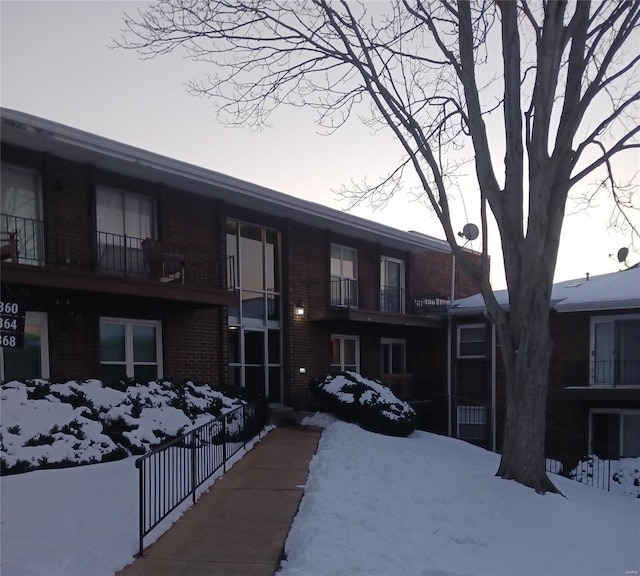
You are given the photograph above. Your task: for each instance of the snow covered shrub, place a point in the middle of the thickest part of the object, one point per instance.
(366, 402)
(48, 425)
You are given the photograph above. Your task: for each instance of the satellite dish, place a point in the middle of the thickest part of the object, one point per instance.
(469, 231)
(622, 254)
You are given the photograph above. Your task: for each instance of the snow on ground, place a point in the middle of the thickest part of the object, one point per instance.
(430, 505)
(374, 505)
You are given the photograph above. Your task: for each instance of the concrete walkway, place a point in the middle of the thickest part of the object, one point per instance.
(239, 527)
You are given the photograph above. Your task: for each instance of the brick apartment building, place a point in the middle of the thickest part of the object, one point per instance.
(130, 264)
(593, 403)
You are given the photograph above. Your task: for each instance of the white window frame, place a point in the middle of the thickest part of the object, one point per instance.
(620, 412)
(129, 323)
(384, 260)
(462, 327)
(465, 411)
(612, 318)
(392, 341)
(342, 338)
(41, 319)
(344, 300)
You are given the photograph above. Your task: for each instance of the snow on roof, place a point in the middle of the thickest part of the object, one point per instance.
(614, 291)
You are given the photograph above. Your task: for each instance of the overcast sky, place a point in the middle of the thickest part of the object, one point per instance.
(56, 63)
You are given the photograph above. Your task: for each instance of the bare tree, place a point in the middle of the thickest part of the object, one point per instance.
(554, 83)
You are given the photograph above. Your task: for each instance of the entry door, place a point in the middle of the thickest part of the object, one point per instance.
(262, 363)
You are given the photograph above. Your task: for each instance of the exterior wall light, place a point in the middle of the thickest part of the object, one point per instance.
(302, 370)
(299, 309)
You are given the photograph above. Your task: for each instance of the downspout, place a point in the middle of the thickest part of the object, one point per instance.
(493, 387)
(449, 351)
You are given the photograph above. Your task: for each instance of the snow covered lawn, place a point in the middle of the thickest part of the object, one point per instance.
(430, 505)
(374, 506)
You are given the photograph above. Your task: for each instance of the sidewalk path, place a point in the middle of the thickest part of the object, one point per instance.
(238, 527)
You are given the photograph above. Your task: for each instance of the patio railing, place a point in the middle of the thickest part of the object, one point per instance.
(171, 473)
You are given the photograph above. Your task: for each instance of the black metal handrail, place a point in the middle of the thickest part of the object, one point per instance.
(431, 306)
(152, 259)
(29, 237)
(614, 373)
(171, 473)
(392, 299)
(344, 292)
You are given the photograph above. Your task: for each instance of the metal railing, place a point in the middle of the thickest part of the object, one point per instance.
(155, 260)
(589, 470)
(344, 292)
(614, 373)
(171, 473)
(28, 235)
(392, 299)
(431, 306)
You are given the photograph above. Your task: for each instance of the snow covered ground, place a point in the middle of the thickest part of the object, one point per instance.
(430, 505)
(374, 505)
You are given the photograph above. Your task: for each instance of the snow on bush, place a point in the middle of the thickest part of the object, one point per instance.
(47, 425)
(624, 474)
(366, 402)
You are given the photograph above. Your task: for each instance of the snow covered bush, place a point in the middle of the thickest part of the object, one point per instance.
(366, 402)
(47, 425)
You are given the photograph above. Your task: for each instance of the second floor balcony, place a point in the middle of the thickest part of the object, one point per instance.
(348, 301)
(115, 263)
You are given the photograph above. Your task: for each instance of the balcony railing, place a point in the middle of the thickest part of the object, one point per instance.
(147, 258)
(21, 240)
(344, 292)
(392, 299)
(614, 373)
(431, 306)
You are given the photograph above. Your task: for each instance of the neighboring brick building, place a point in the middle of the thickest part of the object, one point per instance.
(131, 264)
(593, 402)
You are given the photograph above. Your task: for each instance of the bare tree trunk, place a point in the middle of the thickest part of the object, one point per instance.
(523, 449)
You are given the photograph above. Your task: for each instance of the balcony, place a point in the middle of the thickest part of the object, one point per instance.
(21, 240)
(601, 380)
(424, 311)
(120, 265)
(392, 299)
(344, 292)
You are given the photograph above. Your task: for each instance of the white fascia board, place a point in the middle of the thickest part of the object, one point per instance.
(33, 127)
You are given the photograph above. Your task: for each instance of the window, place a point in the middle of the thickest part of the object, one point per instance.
(123, 221)
(615, 346)
(130, 349)
(393, 356)
(255, 361)
(472, 423)
(21, 213)
(392, 293)
(345, 353)
(255, 262)
(472, 339)
(32, 361)
(615, 433)
(344, 274)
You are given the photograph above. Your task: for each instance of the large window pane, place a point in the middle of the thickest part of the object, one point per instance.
(109, 211)
(254, 347)
(349, 263)
(605, 435)
(275, 384)
(112, 342)
(144, 344)
(271, 261)
(111, 373)
(274, 347)
(144, 373)
(253, 305)
(251, 262)
(234, 345)
(232, 254)
(631, 435)
(254, 380)
(350, 352)
(24, 364)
